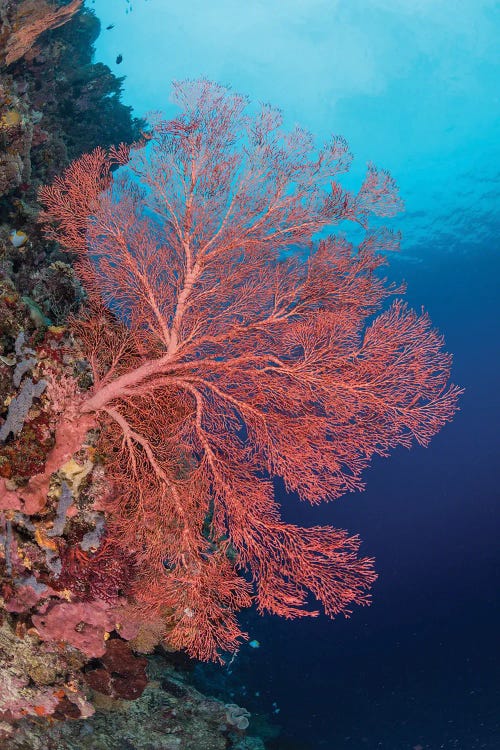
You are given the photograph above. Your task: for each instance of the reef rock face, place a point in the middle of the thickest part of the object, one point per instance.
(71, 670)
(169, 715)
(55, 104)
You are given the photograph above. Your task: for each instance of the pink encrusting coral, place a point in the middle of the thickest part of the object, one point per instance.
(221, 360)
(83, 626)
(27, 595)
(19, 701)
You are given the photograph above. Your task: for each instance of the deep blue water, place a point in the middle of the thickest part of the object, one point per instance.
(421, 665)
(412, 84)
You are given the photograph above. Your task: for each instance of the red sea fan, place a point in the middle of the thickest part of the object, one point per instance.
(105, 574)
(222, 360)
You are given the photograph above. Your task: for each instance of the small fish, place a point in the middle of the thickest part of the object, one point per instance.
(18, 237)
(111, 26)
(254, 644)
(119, 59)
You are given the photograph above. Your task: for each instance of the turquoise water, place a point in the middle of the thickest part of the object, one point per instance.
(411, 84)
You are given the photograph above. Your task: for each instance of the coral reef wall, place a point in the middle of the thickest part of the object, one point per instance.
(55, 104)
(66, 647)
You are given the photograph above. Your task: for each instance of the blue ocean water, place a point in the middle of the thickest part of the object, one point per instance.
(412, 85)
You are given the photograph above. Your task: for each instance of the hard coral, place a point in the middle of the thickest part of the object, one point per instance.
(16, 132)
(28, 677)
(18, 699)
